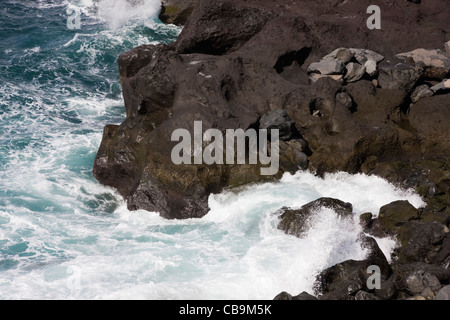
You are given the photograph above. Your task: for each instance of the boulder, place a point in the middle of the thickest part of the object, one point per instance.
(442, 257)
(393, 215)
(397, 74)
(295, 221)
(418, 281)
(327, 67)
(387, 290)
(436, 62)
(420, 241)
(355, 71)
(371, 67)
(294, 155)
(444, 293)
(415, 277)
(422, 91)
(344, 55)
(220, 27)
(283, 296)
(364, 55)
(344, 280)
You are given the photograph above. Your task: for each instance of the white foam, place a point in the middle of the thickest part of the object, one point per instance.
(234, 252)
(120, 12)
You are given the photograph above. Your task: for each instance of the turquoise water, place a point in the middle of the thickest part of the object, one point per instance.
(64, 236)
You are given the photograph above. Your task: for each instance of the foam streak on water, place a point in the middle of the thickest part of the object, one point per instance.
(64, 236)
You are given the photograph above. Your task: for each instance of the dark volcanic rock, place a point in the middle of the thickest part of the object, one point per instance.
(218, 27)
(420, 241)
(393, 215)
(295, 221)
(237, 60)
(415, 277)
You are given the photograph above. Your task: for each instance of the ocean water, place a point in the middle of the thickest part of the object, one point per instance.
(64, 236)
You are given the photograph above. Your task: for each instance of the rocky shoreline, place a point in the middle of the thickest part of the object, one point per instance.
(346, 98)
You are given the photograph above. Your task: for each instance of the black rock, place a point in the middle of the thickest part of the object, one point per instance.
(295, 221)
(279, 119)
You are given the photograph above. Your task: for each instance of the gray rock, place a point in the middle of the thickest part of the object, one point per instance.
(342, 54)
(355, 71)
(414, 282)
(420, 240)
(326, 67)
(363, 55)
(371, 67)
(447, 47)
(444, 293)
(418, 281)
(420, 92)
(278, 119)
(443, 85)
(396, 74)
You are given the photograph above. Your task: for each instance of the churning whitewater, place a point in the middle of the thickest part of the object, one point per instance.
(64, 236)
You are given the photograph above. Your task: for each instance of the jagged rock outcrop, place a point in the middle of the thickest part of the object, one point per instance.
(236, 61)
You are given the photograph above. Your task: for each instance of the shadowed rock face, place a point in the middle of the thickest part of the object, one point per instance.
(235, 61)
